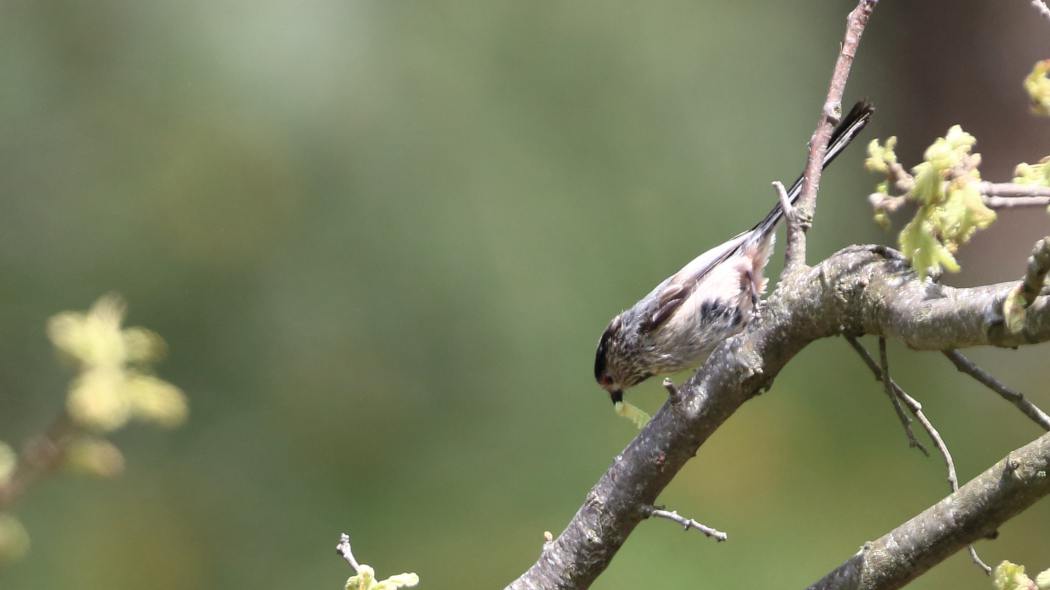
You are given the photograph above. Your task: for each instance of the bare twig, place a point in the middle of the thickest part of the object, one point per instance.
(687, 523)
(1018, 399)
(975, 511)
(794, 230)
(829, 114)
(40, 456)
(1012, 190)
(343, 549)
(1041, 7)
(1002, 195)
(916, 409)
(895, 398)
(953, 477)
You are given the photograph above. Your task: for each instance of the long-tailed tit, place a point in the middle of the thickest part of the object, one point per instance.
(679, 323)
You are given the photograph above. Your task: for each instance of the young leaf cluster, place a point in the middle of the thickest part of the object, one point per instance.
(1037, 85)
(945, 188)
(1010, 576)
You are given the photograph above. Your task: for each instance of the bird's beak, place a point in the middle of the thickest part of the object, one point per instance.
(616, 396)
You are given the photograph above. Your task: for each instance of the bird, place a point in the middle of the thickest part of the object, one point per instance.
(679, 323)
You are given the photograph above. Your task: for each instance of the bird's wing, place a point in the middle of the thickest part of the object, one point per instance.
(669, 295)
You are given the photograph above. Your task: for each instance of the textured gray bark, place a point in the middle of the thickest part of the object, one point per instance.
(859, 290)
(975, 511)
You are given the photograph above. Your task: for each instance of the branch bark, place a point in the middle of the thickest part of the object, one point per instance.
(975, 511)
(859, 290)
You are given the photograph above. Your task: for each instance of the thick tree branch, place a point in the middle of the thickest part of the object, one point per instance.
(974, 512)
(829, 116)
(859, 290)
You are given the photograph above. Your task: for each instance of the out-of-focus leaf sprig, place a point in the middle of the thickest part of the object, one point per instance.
(113, 385)
(364, 577)
(946, 188)
(1010, 576)
(1037, 85)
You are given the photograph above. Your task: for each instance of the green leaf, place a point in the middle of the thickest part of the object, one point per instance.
(366, 580)
(1037, 85)
(632, 413)
(881, 156)
(926, 253)
(1010, 576)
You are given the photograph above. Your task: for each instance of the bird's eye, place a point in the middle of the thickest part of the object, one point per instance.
(607, 380)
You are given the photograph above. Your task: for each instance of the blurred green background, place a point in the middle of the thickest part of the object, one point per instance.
(381, 239)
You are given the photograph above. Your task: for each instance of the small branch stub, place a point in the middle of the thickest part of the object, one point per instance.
(686, 523)
(794, 251)
(672, 391)
(343, 549)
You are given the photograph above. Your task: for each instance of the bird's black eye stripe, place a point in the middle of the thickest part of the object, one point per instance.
(600, 362)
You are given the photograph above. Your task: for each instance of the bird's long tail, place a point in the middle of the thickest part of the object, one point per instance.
(847, 129)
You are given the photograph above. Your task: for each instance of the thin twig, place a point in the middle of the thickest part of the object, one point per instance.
(1015, 397)
(40, 456)
(953, 477)
(687, 523)
(1041, 7)
(1012, 189)
(916, 409)
(343, 549)
(895, 399)
(794, 230)
(985, 503)
(1015, 202)
(829, 114)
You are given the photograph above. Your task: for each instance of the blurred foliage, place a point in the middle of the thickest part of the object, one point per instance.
(111, 387)
(1037, 85)
(378, 236)
(14, 540)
